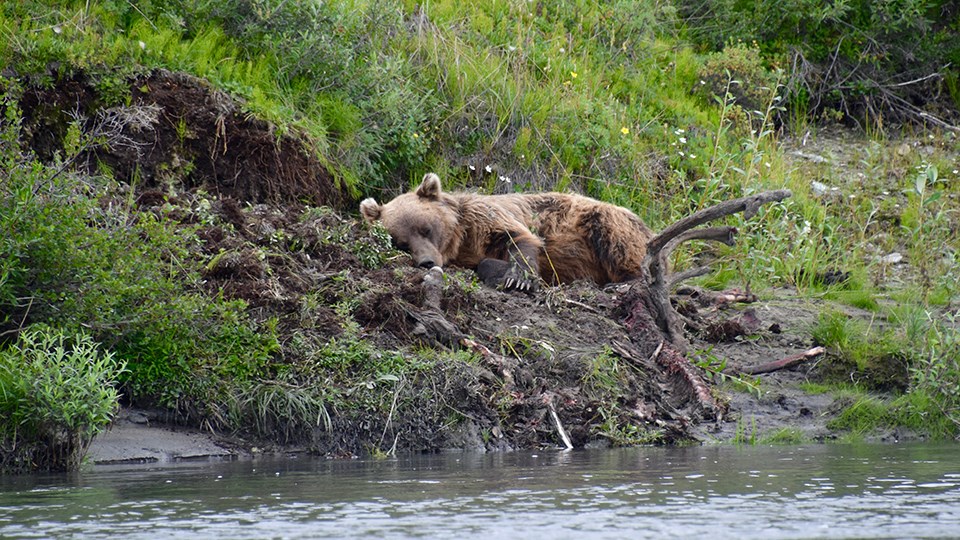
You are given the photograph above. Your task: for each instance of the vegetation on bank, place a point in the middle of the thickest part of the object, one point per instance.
(647, 105)
(57, 394)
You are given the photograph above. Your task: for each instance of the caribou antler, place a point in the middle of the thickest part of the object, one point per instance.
(658, 280)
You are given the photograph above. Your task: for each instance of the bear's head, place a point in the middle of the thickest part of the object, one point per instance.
(423, 223)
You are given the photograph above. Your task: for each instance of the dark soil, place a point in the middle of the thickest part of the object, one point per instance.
(179, 133)
(276, 232)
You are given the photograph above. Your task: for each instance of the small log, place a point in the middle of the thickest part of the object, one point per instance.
(784, 363)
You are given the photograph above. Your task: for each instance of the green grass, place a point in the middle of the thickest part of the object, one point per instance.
(785, 436)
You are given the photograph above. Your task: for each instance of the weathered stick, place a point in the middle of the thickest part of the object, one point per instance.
(559, 426)
(784, 363)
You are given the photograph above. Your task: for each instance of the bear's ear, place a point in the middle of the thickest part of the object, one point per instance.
(370, 210)
(430, 188)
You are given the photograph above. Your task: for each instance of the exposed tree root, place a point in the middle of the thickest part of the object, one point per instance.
(651, 319)
(654, 286)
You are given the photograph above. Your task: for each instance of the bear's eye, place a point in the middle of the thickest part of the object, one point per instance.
(425, 231)
(402, 246)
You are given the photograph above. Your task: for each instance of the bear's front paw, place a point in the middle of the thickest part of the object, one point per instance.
(520, 279)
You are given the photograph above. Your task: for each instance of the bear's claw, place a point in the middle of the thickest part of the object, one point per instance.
(519, 279)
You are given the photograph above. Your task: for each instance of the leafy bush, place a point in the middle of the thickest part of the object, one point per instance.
(738, 74)
(936, 373)
(865, 61)
(127, 278)
(57, 391)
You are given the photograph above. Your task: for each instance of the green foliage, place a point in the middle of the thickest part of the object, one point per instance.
(860, 298)
(372, 249)
(919, 357)
(125, 277)
(189, 354)
(865, 414)
(605, 375)
(716, 370)
(371, 104)
(620, 432)
(57, 390)
(785, 436)
(926, 221)
(603, 380)
(860, 59)
(738, 73)
(282, 411)
(936, 371)
(855, 341)
(746, 433)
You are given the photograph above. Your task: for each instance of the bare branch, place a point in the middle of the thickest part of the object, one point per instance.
(724, 235)
(748, 205)
(673, 279)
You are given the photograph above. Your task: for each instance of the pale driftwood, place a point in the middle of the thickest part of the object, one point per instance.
(784, 363)
(556, 422)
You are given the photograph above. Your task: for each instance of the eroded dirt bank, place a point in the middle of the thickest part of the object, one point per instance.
(493, 370)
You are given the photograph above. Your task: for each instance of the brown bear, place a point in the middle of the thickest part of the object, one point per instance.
(513, 239)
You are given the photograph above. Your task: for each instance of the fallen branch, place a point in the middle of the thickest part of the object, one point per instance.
(784, 363)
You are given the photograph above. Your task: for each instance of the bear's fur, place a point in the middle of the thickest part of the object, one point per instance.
(556, 236)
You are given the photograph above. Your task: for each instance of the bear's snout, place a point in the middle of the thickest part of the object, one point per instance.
(427, 263)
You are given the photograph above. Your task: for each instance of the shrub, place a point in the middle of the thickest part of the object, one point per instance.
(936, 373)
(127, 278)
(859, 60)
(57, 391)
(738, 75)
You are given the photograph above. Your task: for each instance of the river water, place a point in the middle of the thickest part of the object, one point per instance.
(814, 491)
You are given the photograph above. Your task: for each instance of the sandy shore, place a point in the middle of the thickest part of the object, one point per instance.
(137, 437)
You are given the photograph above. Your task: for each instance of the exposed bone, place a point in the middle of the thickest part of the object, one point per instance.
(559, 426)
